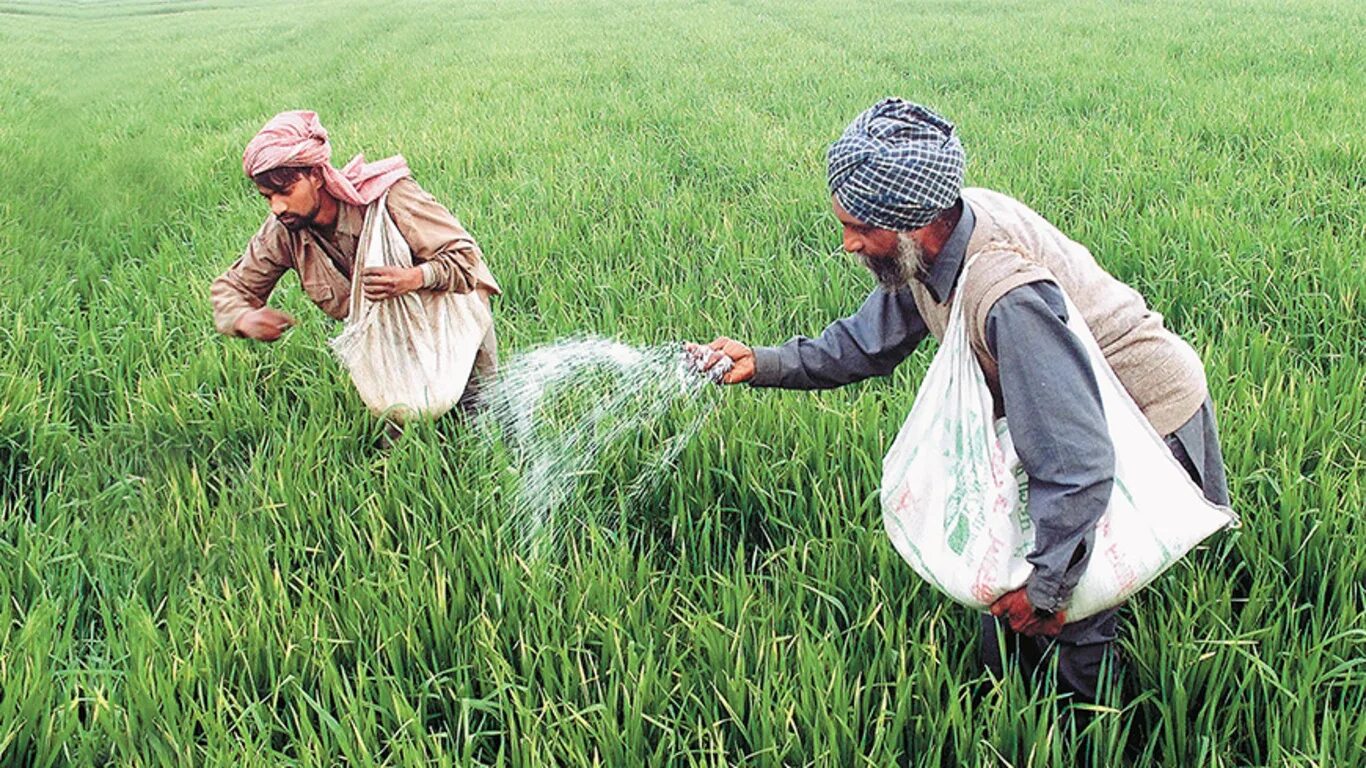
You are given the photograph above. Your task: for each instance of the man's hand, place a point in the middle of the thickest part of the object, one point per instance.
(382, 283)
(1015, 608)
(264, 324)
(741, 355)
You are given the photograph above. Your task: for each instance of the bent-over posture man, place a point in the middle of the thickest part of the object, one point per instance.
(314, 228)
(895, 179)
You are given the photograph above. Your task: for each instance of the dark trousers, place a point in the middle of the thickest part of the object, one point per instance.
(1082, 650)
(1086, 648)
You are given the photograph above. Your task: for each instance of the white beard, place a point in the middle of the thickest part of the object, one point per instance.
(895, 273)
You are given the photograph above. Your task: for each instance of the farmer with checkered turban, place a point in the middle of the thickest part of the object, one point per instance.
(896, 186)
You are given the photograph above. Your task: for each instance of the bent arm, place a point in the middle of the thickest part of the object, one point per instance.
(248, 283)
(449, 258)
(1052, 404)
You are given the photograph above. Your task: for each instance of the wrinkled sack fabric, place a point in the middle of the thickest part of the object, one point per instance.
(411, 355)
(954, 496)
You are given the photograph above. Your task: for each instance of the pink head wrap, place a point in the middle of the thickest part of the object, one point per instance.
(298, 139)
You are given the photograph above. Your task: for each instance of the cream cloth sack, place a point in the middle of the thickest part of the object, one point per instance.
(954, 494)
(411, 355)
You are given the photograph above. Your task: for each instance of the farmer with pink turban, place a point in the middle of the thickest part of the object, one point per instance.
(314, 228)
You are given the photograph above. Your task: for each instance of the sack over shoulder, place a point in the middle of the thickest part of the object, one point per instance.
(954, 496)
(410, 355)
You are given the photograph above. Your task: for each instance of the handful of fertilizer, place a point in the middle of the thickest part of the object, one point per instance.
(692, 361)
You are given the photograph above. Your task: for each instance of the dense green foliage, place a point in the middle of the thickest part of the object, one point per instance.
(208, 561)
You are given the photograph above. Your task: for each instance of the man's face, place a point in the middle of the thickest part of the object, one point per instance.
(893, 257)
(864, 239)
(297, 205)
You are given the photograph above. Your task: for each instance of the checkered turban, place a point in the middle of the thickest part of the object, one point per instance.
(896, 166)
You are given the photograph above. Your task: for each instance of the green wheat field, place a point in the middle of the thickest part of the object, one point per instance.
(207, 560)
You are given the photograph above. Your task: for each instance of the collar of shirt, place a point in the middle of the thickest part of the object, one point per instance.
(350, 218)
(340, 245)
(943, 273)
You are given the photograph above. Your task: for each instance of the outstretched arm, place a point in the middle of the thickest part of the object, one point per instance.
(871, 342)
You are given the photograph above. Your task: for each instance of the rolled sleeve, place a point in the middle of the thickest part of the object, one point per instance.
(437, 277)
(871, 342)
(1052, 404)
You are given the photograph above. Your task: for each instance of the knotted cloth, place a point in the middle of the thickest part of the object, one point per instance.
(297, 139)
(896, 166)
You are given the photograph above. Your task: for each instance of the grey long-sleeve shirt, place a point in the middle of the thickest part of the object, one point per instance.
(1050, 395)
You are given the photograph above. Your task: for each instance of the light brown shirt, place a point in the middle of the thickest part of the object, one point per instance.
(449, 258)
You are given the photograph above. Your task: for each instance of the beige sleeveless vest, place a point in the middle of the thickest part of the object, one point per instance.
(1015, 246)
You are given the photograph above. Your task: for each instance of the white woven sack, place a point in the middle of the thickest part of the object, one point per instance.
(412, 354)
(954, 494)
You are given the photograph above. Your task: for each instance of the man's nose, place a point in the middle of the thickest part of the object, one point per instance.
(277, 206)
(852, 243)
